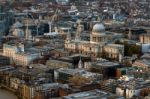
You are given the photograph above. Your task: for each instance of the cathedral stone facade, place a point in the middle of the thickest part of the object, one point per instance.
(98, 46)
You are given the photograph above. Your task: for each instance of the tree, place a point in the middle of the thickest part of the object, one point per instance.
(79, 80)
(134, 49)
(129, 49)
(40, 43)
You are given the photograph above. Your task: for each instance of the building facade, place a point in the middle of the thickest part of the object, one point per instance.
(145, 38)
(98, 44)
(17, 54)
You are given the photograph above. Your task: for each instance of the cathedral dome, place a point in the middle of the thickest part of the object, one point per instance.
(99, 27)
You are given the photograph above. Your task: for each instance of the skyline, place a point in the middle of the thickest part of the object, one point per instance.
(75, 49)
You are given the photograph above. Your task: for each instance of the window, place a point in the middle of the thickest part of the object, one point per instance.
(90, 48)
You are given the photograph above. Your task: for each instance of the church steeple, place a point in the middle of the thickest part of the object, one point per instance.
(98, 19)
(79, 30)
(130, 33)
(68, 38)
(80, 64)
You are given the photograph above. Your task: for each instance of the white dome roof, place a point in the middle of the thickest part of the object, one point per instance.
(99, 27)
(17, 25)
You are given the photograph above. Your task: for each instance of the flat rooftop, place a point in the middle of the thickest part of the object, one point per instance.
(105, 64)
(135, 83)
(93, 94)
(144, 61)
(82, 72)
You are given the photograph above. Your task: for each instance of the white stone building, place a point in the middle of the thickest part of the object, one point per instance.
(18, 55)
(98, 44)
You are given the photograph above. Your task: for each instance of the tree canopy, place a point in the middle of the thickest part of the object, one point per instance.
(79, 80)
(130, 49)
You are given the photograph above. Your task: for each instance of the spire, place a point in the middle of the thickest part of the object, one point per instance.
(130, 33)
(99, 19)
(27, 28)
(68, 36)
(79, 29)
(50, 27)
(28, 31)
(80, 64)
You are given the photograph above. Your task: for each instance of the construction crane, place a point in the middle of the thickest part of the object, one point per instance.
(50, 23)
(27, 25)
(52, 20)
(37, 23)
